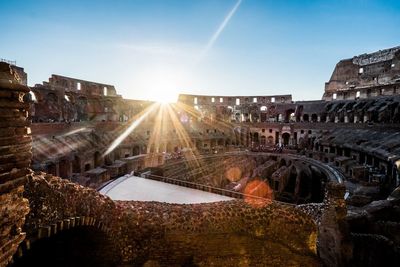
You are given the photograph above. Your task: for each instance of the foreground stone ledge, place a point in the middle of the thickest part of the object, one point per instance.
(212, 233)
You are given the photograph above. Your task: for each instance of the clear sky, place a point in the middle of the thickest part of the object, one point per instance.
(149, 48)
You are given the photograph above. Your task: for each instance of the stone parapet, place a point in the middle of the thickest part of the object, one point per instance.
(15, 160)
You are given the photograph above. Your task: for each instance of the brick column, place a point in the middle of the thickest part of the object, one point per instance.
(15, 159)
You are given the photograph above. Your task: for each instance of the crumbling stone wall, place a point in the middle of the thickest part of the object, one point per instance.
(371, 75)
(15, 158)
(259, 233)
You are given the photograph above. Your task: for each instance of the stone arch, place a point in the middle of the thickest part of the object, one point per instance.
(76, 241)
(135, 150)
(263, 113)
(289, 115)
(88, 166)
(285, 138)
(51, 168)
(76, 165)
(306, 117)
(64, 168)
(98, 159)
(314, 117)
(31, 97)
(263, 140)
(256, 137)
(270, 140)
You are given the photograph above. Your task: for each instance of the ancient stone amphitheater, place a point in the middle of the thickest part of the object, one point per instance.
(314, 183)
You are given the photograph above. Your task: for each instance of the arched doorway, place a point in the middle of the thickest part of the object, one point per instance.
(255, 138)
(289, 115)
(80, 246)
(76, 165)
(97, 159)
(270, 140)
(314, 117)
(285, 138)
(263, 140)
(136, 150)
(64, 167)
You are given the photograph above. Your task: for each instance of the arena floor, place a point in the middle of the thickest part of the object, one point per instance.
(141, 189)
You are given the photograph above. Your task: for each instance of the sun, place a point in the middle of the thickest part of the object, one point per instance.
(167, 96)
(161, 83)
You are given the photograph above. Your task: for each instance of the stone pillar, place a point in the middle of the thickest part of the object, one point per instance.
(336, 119)
(334, 240)
(15, 159)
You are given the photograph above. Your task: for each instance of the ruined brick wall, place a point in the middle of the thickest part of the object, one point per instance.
(370, 75)
(227, 233)
(15, 158)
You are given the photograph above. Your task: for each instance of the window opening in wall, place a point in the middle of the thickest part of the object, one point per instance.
(105, 91)
(195, 100)
(67, 98)
(87, 167)
(78, 86)
(358, 94)
(263, 130)
(361, 70)
(273, 99)
(254, 99)
(196, 107)
(283, 99)
(270, 130)
(334, 96)
(221, 100)
(33, 96)
(263, 108)
(237, 101)
(393, 65)
(212, 99)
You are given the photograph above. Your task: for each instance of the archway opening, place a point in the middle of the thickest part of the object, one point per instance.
(286, 137)
(81, 246)
(97, 159)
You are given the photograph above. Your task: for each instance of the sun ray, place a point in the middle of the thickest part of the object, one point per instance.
(218, 32)
(136, 121)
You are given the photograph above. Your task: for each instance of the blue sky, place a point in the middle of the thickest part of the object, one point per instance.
(149, 48)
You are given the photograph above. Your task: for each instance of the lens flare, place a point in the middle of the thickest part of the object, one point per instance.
(258, 193)
(129, 130)
(233, 174)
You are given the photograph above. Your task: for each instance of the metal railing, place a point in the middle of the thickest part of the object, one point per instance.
(207, 188)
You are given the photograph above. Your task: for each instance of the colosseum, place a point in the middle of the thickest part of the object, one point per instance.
(285, 183)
